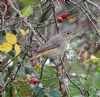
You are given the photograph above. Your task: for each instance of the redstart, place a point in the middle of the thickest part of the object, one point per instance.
(57, 45)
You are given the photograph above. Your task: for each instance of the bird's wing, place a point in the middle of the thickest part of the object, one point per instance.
(54, 42)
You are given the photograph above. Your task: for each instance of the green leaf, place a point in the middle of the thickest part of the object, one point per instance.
(42, 93)
(23, 88)
(78, 96)
(26, 0)
(2, 39)
(75, 93)
(98, 70)
(97, 54)
(48, 72)
(49, 78)
(85, 83)
(96, 81)
(27, 11)
(50, 82)
(54, 93)
(46, 14)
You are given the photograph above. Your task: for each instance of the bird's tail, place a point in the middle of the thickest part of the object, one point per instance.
(36, 55)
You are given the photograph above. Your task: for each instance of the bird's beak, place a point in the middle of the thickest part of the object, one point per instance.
(77, 34)
(74, 35)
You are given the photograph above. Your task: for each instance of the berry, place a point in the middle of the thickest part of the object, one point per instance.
(17, 15)
(65, 16)
(0, 62)
(62, 17)
(14, 31)
(33, 80)
(3, 32)
(8, 5)
(59, 19)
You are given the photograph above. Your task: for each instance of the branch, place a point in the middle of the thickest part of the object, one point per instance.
(3, 12)
(67, 75)
(10, 80)
(87, 16)
(41, 74)
(22, 17)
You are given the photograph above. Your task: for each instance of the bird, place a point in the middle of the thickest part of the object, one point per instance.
(55, 46)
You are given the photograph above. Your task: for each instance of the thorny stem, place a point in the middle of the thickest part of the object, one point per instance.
(40, 34)
(87, 16)
(10, 80)
(94, 4)
(41, 74)
(33, 30)
(22, 17)
(55, 19)
(67, 75)
(3, 13)
(60, 83)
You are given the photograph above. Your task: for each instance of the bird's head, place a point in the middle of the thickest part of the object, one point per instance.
(68, 34)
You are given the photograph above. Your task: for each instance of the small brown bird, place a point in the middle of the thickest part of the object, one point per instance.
(57, 45)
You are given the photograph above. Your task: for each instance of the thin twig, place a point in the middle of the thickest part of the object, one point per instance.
(22, 17)
(88, 10)
(3, 12)
(94, 4)
(67, 75)
(40, 34)
(54, 15)
(41, 74)
(87, 16)
(10, 80)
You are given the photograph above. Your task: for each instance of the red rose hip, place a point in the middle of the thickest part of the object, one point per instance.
(65, 16)
(33, 81)
(8, 5)
(59, 19)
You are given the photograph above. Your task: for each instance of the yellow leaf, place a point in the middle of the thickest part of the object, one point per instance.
(11, 38)
(98, 31)
(28, 77)
(6, 47)
(14, 91)
(92, 59)
(37, 67)
(17, 49)
(23, 32)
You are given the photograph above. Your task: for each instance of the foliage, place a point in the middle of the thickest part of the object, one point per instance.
(26, 26)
